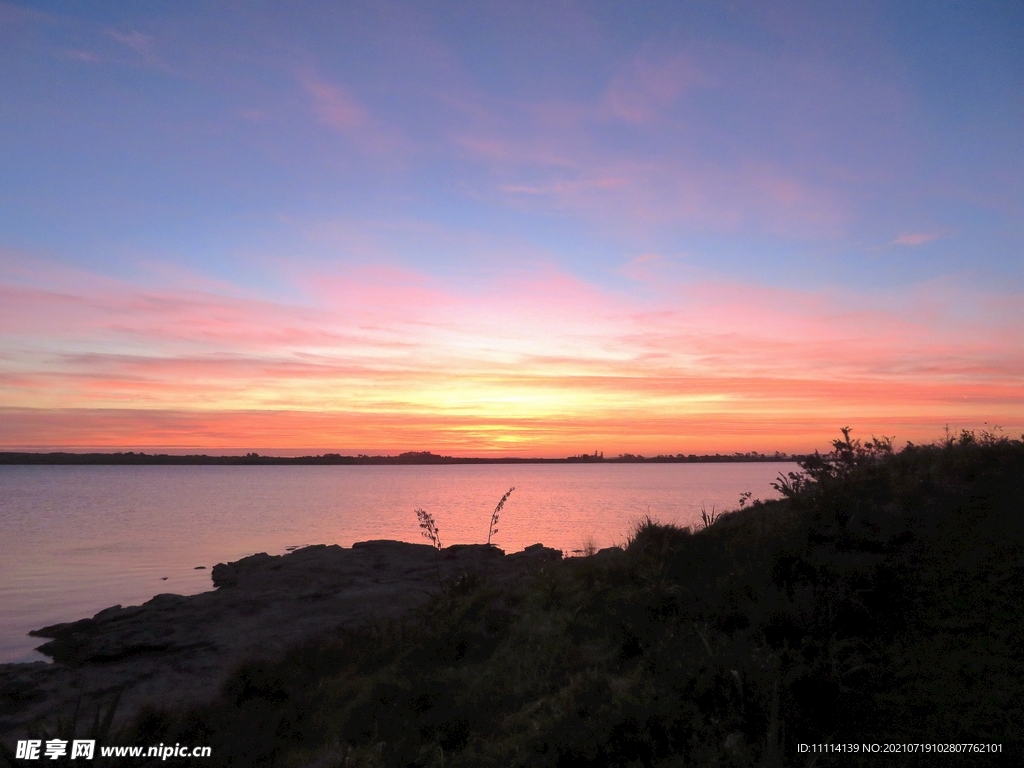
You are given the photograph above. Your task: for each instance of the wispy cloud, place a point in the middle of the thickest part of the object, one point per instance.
(564, 187)
(640, 92)
(634, 155)
(145, 48)
(645, 267)
(337, 108)
(137, 41)
(333, 104)
(914, 239)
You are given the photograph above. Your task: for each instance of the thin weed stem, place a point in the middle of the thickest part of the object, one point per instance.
(493, 528)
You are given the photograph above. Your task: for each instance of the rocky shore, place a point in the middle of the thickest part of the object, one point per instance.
(175, 650)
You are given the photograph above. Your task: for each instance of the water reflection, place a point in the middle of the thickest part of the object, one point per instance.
(78, 539)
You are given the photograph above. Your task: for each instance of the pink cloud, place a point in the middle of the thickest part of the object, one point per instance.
(554, 153)
(564, 187)
(333, 104)
(335, 107)
(536, 353)
(505, 151)
(798, 172)
(681, 191)
(137, 41)
(645, 267)
(914, 239)
(644, 89)
(144, 48)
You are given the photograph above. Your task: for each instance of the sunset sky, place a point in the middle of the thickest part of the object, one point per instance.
(509, 228)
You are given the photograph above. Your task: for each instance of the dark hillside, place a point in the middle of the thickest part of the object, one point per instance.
(880, 601)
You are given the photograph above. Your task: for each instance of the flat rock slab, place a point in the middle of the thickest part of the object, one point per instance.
(174, 650)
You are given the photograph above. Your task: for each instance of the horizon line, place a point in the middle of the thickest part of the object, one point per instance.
(9, 457)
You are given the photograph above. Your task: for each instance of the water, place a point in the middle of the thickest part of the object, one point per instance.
(75, 540)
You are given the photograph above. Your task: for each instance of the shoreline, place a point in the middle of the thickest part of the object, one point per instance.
(176, 650)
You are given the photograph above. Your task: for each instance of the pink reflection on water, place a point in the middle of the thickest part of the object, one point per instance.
(79, 539)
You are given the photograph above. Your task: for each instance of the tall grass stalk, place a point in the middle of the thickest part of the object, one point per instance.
(493, 529)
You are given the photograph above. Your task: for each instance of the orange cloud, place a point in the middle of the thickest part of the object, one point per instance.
(532, 363)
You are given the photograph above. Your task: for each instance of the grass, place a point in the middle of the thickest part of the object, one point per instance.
(493, 527)
(708, 518)
(588, 548)
(880, 600)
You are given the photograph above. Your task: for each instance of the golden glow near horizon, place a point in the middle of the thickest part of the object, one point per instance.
(766, 371)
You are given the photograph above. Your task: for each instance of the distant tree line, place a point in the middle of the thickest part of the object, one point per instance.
(409, 457)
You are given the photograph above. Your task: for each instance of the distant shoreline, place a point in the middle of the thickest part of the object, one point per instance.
(334, 459)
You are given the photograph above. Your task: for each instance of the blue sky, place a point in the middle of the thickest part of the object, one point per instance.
(817, 159)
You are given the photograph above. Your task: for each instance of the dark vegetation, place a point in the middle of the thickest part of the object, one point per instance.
(880, 600)
(331, 459)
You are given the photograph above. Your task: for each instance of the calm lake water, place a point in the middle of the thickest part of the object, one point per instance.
(75, 540)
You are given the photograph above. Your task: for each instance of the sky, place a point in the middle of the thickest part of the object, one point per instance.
(509, 228)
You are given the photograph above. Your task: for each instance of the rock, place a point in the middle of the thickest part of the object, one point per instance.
(176, 650)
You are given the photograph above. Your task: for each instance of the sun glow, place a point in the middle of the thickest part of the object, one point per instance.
(734, 369)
